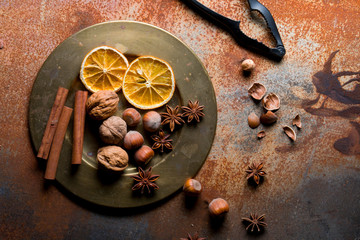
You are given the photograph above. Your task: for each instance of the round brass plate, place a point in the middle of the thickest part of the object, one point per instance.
(191, 142)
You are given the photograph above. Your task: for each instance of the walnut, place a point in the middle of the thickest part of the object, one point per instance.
(113, 130)
(102, 104)
(113, 157)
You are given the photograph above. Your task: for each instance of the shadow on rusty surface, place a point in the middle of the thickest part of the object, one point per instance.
(328, 84)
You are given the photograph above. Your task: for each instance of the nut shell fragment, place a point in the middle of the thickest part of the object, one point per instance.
(290, 133)
(257, 91)
(297, 121)
(271, 102)
(261, 134)
(268, 118)
(253, 120)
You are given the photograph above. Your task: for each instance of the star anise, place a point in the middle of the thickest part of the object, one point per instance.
(255, 221)
(193, 111)
(145, 180)
(172, 117)
(161, 141)
(195, 237)
(255, 171)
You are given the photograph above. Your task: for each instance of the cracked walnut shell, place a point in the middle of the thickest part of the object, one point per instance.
(102, 104)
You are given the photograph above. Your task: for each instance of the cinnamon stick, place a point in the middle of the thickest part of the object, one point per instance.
(79, 126)
(55, 151)
(52, 123)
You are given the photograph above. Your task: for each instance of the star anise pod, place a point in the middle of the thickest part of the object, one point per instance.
(255, 171)
(255, 221)
(172, 117)
(145, 180)
(195, 237)
(193, 111)
(162, 140)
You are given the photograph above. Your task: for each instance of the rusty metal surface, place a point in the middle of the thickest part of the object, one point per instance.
(311, 188)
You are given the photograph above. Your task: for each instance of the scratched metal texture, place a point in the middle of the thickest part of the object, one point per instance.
(311, 190)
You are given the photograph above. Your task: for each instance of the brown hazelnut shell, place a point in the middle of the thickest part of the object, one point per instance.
(257, 91)
(271, 102)
(261, 134)
(268, 118)
(113, 158)
(102, 104)
(297, 121)
(290, 133)
(253, 120)
(131, 116)
(192, 187)
(133, 140)
(218, 207)
(143, 155)
(151, 121)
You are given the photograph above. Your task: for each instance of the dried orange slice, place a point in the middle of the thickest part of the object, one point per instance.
(149, 82)
(103, 68)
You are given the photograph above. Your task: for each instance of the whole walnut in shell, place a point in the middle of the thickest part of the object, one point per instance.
(113, 157)
(102, 104)
(113, 130)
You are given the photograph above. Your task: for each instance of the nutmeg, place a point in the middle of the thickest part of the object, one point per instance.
(113, 157)
(268, 118)
(131, 116)
(133, 140)
(192, 187)
(247, 65)
(102, 104)
(271, 102)
(152, 121)
(253, 120)
(113, 130)
(257, 91)
(143, 155)
(218, 207)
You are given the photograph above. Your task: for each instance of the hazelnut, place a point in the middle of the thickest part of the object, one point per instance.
(271, 102)
(192, 187)
(133, 140)
(257, 91)
(113, 130)
(143, 155)
(131, 116)
(152, 121)
(247, 65)
(113, 157)
(290, 133)
(253, 120)
(268, 118)
(218, 207)
(297, 121)
(102, 104)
